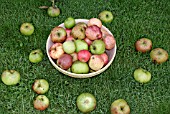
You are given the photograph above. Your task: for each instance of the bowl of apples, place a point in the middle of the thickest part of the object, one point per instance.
(81, 48)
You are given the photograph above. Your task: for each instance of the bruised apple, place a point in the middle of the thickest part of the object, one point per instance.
(56, 50)
(109, 41)
(65, 61)
(58, 34)
(41, 102)
(93, 32)
(96, 62)
(94, 21)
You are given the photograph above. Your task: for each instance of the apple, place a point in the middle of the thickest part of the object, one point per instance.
(80, 45)
(41, 102)
(94, 21)
(53, 11)
(142, 76)
(84, 55)
(143, 45)
(120, 106)
(58, 35)
(88, 41)
(69, 22)
(69, 47)
(10, 77)
(79, 67)
(74, 56)
(104, 32)
(106, 16)
(159, 55)
(105, 58)
(109, 41)
(40, 86)
(78, 32)
(82, 24)
(65, 61)
(36, 56)
(68, 32)
(97, 47)
(96, 62)
(56, 50)
(93, 32)
(27, 29)
(86, 102)
(70, 38)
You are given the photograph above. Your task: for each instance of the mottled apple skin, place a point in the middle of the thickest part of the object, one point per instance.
(143, 45)
(56, 50)
(78, 32)
(96, 62)
(159, 55)
(84, 55)
(88, 41)
(93, 32)
(65, 61)
(40, 86)
(120, 106)
(41, 102)
(58, 35)
(95, 21)
(109, 41)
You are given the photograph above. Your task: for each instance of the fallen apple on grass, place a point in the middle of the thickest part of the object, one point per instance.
(142, 76)
(27, 29)
(86, 102)
(10, 77)
(106, 16)
(120, 106)
(36, 56)
(159, 55)
(41, 102)
(143, 45)
(40, 86)
(53, 11)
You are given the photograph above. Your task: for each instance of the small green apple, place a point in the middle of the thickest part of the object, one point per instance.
(40, 86)
(27, 29)
(36, 56)
(79, 67)
(10, 77)
(53, 11)
(106, 16)
(141, 75)
(97, 47)
(81, 45)
(69, 22)
(69, 47)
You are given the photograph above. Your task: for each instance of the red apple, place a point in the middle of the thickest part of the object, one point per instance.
(88, 41)
(109, 41)
(93, 32)
(94, 21)
(143, 45)
(105, 58)
(74, 56)
(56, 50)
(68, 31)
(70, 38)
(84, 55)
(65, 61)
(58, 34)
(41, 102)
(96, 62)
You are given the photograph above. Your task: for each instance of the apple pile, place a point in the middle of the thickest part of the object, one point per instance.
(80, 47)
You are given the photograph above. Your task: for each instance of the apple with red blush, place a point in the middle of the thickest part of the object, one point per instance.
(74, 56)
(109, 41)
(93, 32)
(105, 58)
(56, 50)
(65, 61)
(88, 41)
(96, 62)
(143, 45)
(68, 32)
(95, 21)
(84, 55)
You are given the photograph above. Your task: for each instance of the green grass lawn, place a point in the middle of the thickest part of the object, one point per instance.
(133, 19)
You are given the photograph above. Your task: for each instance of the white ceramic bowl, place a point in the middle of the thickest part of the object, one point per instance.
(111, 53)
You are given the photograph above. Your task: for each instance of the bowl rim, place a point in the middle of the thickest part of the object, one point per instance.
(74, 75)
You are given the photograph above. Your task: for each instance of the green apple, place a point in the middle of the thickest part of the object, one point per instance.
(97, 47)
(69, 47)
(120, 106)
(10, 77)
(141, 75)
(106, 16)
(86, 102)
(36, 56)
(53, 11)
(79, 67)
(27, 29)
(81, 45)
(69, 22)
(40, 86)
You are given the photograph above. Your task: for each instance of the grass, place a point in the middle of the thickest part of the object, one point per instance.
(133, 19)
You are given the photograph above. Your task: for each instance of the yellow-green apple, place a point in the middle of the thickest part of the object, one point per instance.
(120, 106)
(65, 61)
(159, 55)
(97, 47)
(109, 41)
(95, 21)
(96, 62)
(58, 35)
(27, 29)
(80, 45)
(41, 102)
(69, 22)
(56, 50)
(84, 55)
(78, 32)
(36, 56)
(106, 16)
(143, 45)
(93, 32)
(142, 76)
(69, 47)
(10, 77)
(53, 11)
(79, 67)
(40, 86)
(86, 102)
